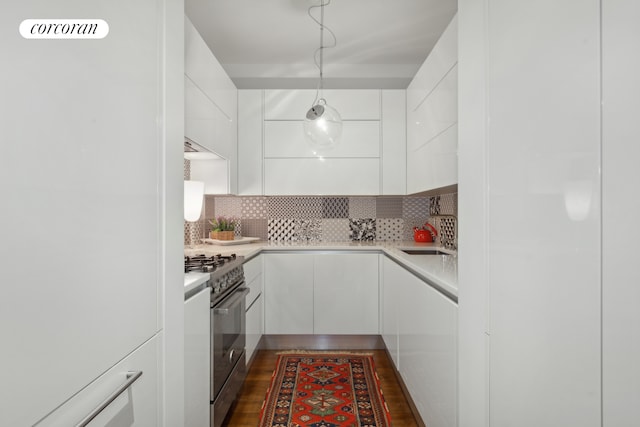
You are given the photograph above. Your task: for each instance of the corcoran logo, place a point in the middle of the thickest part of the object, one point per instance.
(64, 28)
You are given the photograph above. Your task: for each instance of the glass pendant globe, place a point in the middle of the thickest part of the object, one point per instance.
(322, 127)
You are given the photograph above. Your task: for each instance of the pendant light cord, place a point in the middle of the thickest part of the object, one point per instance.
(319, 52)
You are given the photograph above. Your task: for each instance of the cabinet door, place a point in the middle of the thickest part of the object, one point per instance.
(288, 292)
(428, 350)
(392, 275)
(394, 142)
(197, 354)
(205, 71)
(322, 176)
(432, 117)
(285, 139)
(205, 123)
(81, 192)
(358, 104)
(137, 406)
(345, 294)
(255, 304)
(255, 326)
(250, 152)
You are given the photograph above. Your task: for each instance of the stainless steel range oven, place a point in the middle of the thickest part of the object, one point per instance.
(228, 363)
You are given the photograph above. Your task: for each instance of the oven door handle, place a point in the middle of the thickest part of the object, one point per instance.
(239, 294)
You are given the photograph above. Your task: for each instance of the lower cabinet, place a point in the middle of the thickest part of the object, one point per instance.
(255, 305)
(427, 328)
(321, 293)
(392, 274)
(288, 292)
(345, 294)
(137, 405)
(255, 328)
(197, 359)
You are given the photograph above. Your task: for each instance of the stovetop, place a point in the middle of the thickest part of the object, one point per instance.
(211, 264)
(225, 272)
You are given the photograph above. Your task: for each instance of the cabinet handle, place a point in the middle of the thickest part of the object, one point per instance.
(131, 378)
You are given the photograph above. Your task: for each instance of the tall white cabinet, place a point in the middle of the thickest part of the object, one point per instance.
(88, 289)
(620, 157)
(542, 115)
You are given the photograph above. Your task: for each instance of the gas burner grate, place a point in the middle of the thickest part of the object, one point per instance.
(206, 264)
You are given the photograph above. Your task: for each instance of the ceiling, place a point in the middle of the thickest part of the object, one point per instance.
(269, 44)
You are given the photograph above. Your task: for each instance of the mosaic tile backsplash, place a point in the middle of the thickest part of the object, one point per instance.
(328, 219)
(333, 219)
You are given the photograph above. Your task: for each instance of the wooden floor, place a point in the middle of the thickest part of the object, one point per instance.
(246, 411)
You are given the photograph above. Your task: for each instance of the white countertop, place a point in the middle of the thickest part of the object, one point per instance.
(194, 279)
(440, 270)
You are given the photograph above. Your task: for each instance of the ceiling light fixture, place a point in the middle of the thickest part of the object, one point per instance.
(322, 124)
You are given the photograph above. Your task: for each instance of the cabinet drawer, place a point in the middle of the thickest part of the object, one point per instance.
(136, 406)
(285, 139)
(294, 104)
(252, 268)
(255, 289)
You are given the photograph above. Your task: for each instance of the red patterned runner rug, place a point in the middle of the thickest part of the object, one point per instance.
(326, 389)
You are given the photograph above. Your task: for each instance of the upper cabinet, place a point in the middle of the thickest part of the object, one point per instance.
(275, 158)
(211, 105)
(432, 117)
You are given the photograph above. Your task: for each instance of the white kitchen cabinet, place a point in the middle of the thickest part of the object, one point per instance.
(276, 160)
(531, 313)
(621, 276)
(322, 176)
(203, 68)
(285, 139)
(394, 142)
(391, 276)
(197, 359)
(255, 304)
(255, 326)
(427, 347)
(91, 162)
(137, 406)
(288, 292)
(432, 117)
(363, 104)
(345, 294)
(250, 146)
(328, 293)
(211, 105)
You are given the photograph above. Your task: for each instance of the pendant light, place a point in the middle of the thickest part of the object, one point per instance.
(322, 123)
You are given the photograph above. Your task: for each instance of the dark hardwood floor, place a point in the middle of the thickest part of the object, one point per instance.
(246, 411)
